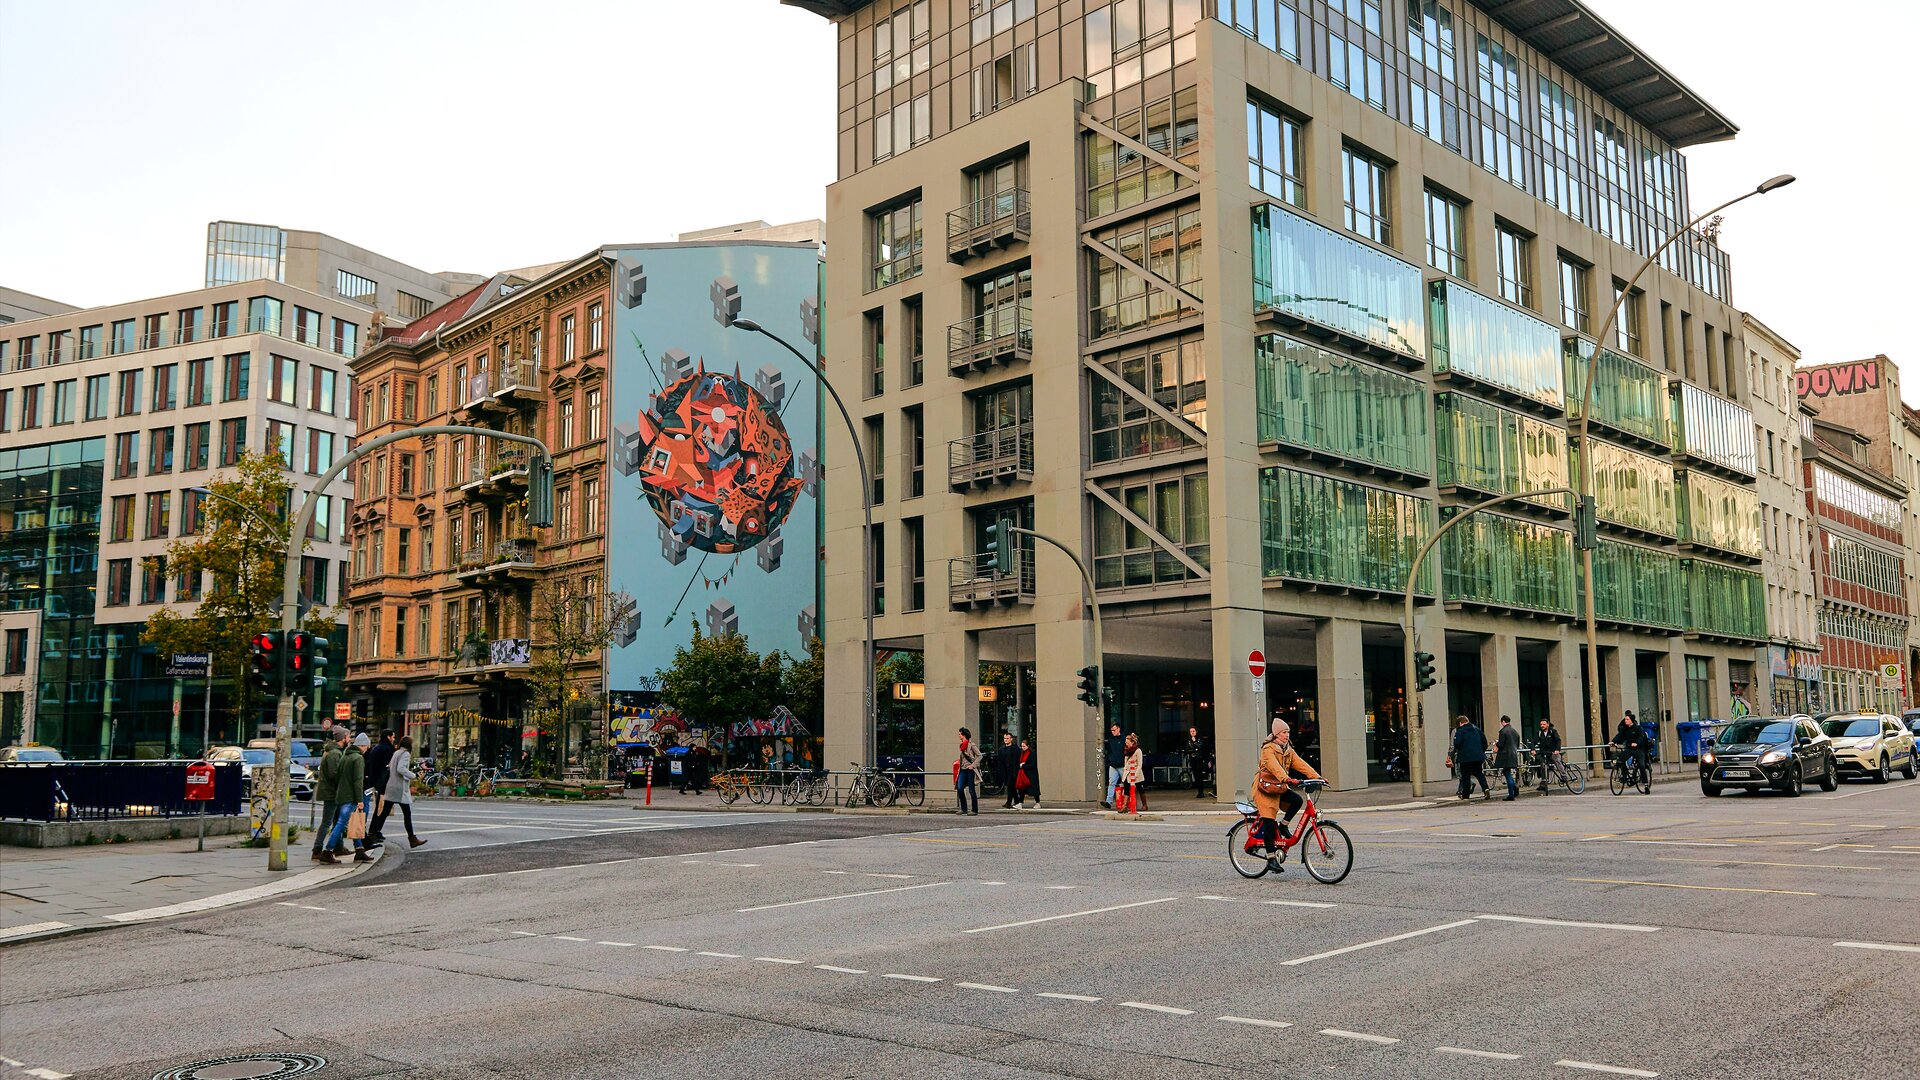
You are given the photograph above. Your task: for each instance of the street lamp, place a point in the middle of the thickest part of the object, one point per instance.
(1583, 482)
(869, 720)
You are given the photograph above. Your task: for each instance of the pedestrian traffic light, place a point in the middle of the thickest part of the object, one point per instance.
(1586, 526)
(269, 660)
(306, 661)
(999, 547)
(540, 493)
(1423, 670)
(1089, 685)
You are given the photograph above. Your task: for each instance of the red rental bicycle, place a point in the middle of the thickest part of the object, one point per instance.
(1324, 848)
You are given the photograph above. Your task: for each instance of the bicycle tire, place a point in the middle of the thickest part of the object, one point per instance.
(1246, 864)
(1327, 853)
(817, 792)
(1574, 780)
(915, 794)
(758, 793)
(856, 792)
(883, 791)
(1617, 780)
(727, 792)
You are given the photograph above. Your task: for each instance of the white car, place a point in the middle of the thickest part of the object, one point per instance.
(1871, 745)
(300, 782)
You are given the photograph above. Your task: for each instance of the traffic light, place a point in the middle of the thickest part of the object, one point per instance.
(1089, 685)
(306, 661)
(999, 547)
(540, 493)
(1586, 526)
(1423, 670)
(269, 660)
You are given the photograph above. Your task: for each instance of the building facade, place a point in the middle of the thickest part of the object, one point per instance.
(16, 305)
(1859, 517)
(1788, 671)
(1241, 299)
(110, 417)
(239, 251)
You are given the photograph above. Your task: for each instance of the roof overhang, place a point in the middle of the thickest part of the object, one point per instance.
(1572, 36)
(828, 9)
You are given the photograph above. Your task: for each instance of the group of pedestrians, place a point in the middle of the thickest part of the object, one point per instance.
(1014, 769)
(360, 776)
(1468, 756)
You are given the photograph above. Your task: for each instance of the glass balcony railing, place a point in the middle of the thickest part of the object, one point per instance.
(1628, 396)
(1639, 585)
(1634, 490)
(1500, 347)
(1486, 448)
(1317, 528)
(1712, 430)
(1319, 400)
(1725, 601)
(1509, 562)
(1303, 270)
(1716, 514)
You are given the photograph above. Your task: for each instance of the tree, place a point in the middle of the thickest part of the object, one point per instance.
(242, 547)
(805, 686)
(571, 625)
(718, 680)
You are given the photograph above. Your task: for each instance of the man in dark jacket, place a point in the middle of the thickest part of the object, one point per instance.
(323, 790)
(1469, 757)
(1116, 758)
(1506, 756)
(1006, 759)
(378, 760)
(349, 789)
(1199, 762)
(1544, 747)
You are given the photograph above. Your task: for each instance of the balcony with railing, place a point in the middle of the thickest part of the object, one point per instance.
(1323, 283)
(1725, 602)
(999, 220)
(972, 582)
(1000, 456)
(506, 560)
(517, 382)
(1494, 348)
(1001, 336)
(503, 473)
(1720, 518)
(1711, 432)
(1629, 397)
(496, 656)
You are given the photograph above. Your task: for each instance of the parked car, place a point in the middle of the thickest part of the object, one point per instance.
(253, 757)
(1911, 718)
(30, 753)
(1778, 752)
(306, 752)
(1870, 745)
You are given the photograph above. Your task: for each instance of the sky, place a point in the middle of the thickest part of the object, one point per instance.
(480, 135)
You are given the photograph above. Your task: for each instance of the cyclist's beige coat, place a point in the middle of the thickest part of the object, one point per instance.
(1276, 766)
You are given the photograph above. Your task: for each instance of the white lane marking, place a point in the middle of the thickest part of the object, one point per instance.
(1876, 945)
(1403, 828)
(45, 1073)
(1068, 997)
(1062, 886)
(896, 877)
(1680, 843)
(841, 970)
(1564, 922)
(1360, 1035)
(1150, 1007)
(616, 944)
(1829, 847)
(1476, 1053)
(523, 933)
(1254, 1022)
(563, 937)
(664, 948)
(1370, 944)
(1298, 903)
(777, 960)
(989, 987)
(1614, 1069)
(910, 978)
(1069, 915)
(721, 955)
(835, 871)
(839, 896)
(1228, 899)
(993, 883)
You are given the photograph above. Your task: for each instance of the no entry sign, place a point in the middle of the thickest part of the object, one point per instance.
(1256, 663)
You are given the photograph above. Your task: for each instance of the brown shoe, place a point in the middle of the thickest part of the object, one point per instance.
(318, 858)
(414, 841)
(326, 857)
(361, 856)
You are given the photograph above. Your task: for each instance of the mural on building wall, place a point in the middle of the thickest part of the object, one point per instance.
(1838, 379)
(714, 448)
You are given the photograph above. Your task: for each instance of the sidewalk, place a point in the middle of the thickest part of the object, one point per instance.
(48, 891)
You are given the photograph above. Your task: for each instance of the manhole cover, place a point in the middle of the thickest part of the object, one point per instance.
(246, 1067)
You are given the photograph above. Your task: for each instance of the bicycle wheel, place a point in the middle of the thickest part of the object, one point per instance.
(856, 792)
(817, 791)
(1616, 779)
(1326, 853)
(759, 793)
(727, 792)
(914, 792)
(883, 791)
(1574, 780)
(1247, 864)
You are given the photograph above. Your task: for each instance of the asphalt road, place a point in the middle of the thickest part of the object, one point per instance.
(1665, 935)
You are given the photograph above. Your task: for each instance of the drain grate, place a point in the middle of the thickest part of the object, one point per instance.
(246, 1067)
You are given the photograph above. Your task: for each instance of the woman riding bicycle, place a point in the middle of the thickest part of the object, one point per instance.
(1273, 788)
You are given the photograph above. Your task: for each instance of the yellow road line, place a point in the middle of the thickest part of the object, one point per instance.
(1707, 888)
(969, 843)
(1750, 862)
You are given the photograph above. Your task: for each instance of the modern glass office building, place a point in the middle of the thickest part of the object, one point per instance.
(1293, 284)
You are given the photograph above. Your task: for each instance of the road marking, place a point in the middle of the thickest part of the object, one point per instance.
(563, 937)
(993, 883)
(1750, 862)
(969, 843)
(1564, 922)
(841, 970)
(1876, 945)
(1707, 888)
(710, 862)
(45, 1073)
(989, 987)
(1829, 847)
(1382, 941)
(1477, 1053)
(839, 896)
(896, 877)
(1070, 915)
(1683, 843)
(523, 933)
(1061, 886)
(1597, 836)
(721, 955)
(616, 944)
(1298, 903)
(910, 978)
(1614, 1069)
(1360, 1035)
(834, 871)
(1228, 899)
(1150, 1007)
(1068, 997)
(777, 960)
(664, 948)
(1254, 1022)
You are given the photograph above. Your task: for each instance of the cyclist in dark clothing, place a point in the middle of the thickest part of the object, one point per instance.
(1632, 742)
(1544, 747)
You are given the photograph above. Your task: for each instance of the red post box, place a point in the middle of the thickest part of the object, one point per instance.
(199, 782)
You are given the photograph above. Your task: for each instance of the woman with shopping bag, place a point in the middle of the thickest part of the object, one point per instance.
(1026, 778)
(1133, 776)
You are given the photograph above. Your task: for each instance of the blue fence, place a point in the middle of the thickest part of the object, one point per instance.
(98, 790)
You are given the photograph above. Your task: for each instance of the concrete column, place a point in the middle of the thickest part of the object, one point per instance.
(1342, 703)
(1066, 739)
(1499, 680)
(1241, 719)
(1617, 696)
(1437, 728)
(1566, 698)
(1720, 706)
(953, 697)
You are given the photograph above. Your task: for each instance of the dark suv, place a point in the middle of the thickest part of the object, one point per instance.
(1779, 752)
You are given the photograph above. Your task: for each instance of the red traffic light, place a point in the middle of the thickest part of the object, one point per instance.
(266, 641)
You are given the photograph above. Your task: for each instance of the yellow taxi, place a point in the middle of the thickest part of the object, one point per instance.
(1870, 745)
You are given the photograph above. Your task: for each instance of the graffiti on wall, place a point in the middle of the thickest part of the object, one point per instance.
(1838, 379)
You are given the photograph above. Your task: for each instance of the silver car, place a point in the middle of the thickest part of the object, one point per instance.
(251, 758)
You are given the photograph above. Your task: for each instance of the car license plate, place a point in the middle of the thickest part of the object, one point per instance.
(1738, 773)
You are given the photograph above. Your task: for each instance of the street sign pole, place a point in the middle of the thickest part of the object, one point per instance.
(206, 732)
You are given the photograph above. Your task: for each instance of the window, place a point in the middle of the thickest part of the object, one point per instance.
(263, 315)
(354, 287)
(122, 340)
(366, 414)
(902, 45)
(96, 397)
(1169, 243)
(596, 327)
(913, 539)
(346, 337)
(166, 387)
(199, 389)
(906, 125)
(16, 652)
(406, 477)
(409, 306)
(153, 331)
(189, 326)
(423, 635)
(1364, 183)
(233, 440)
(1434, 115)
(996, 84)
(877, 456)
(126, 454)
(29, 407)
(1274, 156)
(119, 582)
(1124, 554)
(404, 548)
(533, 354)
(876, 352)
(386, 403)
(1626, 325)
(409, 400)
(1513, 264)
(593, 415)
(1275, 25)
(915, 422)
(153, 581)
(285, 378)
(426, 549)
(563, 424)
(1499, 72)
(895, 235)
(25, 360)
(90, 342)
(235, 370)
(120, 519)
(198, 437)
(159, 515)
(1430, 37)
(1353, 69)
(129, 394)
(877, 542)
(426, 467)
(1171, 371)
(1446, 234)
(562, 514)
(320, 391)
(63, 394)
(225, 316)
(589, 507)
(1573, 295)
(57, 352)
(159, 451)
(566, 339)
(280, 435)
(913, 318)
(6, 409)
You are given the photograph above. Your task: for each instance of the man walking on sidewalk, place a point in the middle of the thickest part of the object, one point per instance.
(349, 791)
(1116, 758)
(323, 790)
(1006, 762)
(1506, 756)
(1469, 757)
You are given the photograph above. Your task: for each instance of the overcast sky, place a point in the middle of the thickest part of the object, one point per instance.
(479, 135)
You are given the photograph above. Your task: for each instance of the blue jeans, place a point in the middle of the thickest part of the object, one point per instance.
(967, 788)
(1113, 783)
(1513, 783)
(340, 826)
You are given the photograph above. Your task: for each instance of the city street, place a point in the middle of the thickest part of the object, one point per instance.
(1652, 935)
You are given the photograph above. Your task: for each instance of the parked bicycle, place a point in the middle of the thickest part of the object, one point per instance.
(1630, 771)
(1325, 849)
(869, 787)
(808, 790)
